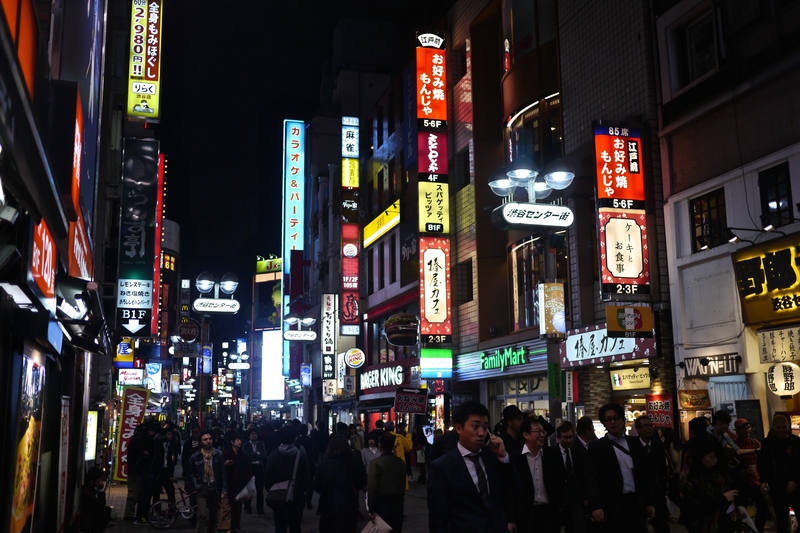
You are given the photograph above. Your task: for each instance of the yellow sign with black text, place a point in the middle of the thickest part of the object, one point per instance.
(434, 207)
(144, 68)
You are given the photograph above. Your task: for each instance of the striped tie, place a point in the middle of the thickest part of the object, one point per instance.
(483, 487)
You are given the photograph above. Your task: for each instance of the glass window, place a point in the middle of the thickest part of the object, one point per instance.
(538, 133)
(709, 221)
(776, 196)
(695, 49)
(527, 269)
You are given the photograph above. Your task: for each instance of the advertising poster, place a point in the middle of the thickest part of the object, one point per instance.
(134, 404)
(90, 452)
(27, 439)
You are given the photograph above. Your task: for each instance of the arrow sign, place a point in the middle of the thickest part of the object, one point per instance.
(133, 326)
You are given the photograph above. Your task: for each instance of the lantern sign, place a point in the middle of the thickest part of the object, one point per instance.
(784, 379)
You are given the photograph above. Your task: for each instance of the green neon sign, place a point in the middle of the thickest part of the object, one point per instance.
(503, 358)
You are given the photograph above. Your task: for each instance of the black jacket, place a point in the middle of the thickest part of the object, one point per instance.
(519, 502)
(338, 480)
(194, 476)
(779, 461)
(280, 466)
(454, 503)
(190, 447)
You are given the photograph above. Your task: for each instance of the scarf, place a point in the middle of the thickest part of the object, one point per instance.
(208, 471)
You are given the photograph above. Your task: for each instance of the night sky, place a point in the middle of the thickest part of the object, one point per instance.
(232, 72)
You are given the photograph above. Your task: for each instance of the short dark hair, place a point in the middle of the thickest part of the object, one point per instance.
(563, 428)
(584, 424)
(638, 422)
(207, 432)
(379, 424)
(386, 442)
(235, 435)
(288, 434)
(721, 416)
(617, 408)
(698, 425)
(527, 423)
(338, 447)
(94, 473)
(462, 413)
(252, 430)
(303, 430)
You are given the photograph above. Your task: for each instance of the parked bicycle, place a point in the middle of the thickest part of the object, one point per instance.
(163, 514)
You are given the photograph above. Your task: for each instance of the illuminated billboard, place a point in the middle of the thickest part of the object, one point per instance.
(431, 77)
(350, 137)
(434, 285)
(436, 363)
(380, 225)
(294, 172)
(434, 207)
(144, 68)
(272, 365)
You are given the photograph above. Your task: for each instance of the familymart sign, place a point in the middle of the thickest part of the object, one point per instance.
(503, 358)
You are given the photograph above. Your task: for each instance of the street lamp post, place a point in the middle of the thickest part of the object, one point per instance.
(205, 283)
(558, 175)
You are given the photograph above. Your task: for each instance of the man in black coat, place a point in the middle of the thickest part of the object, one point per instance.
(510, 432)
(572, 468)
(538, 483)
(657, 461)
(256, 452)
(467, 485)
(779, 468)
(617, 477)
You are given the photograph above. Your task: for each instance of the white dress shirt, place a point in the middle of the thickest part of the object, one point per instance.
(465, 453)
(564, 456)
(625, 464)
(584, 444)
(535, 466)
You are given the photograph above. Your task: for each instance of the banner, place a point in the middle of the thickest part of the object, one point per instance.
(410, 401)
(659, 409)
(134, 404)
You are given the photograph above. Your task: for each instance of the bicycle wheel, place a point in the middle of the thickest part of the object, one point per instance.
(162, 514)
(188, 512)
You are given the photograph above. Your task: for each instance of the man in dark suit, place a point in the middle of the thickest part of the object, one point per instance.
(538, 483)
(618, 477)
(573, 469)
(467, 485)
(657, 461)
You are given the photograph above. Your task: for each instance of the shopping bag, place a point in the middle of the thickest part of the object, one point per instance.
(376, 525)
(248, 492)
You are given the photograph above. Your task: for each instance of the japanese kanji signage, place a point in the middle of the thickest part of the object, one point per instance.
(784, 379)
(637, 377)
(132, 411)
(431, 79)
(624, 257)
(330, 319)
(512, 215)
(144, 74)
(293, 189)
(434, 207)
(138, 233)
(434, 280)
(350, 138)
(778, 345)
(591, 345)
(768, 279)
(413, 401)
(350, 174)
(43, 265)
(432, 147)
(350, 276)
(659, 409)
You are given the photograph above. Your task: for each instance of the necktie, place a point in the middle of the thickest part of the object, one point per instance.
(647, 448)
(568, 463)
(483, 487)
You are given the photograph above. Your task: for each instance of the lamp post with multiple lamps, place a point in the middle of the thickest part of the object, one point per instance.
(304, 336)
(545, 218)
(205, 283)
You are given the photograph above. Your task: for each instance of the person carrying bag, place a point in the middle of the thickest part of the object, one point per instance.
(282, 493)
(287, 476)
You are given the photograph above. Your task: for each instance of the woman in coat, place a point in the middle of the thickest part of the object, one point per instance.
(280, 466)
(339, 478)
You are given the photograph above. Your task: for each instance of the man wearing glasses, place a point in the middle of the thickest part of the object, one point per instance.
(618, 477)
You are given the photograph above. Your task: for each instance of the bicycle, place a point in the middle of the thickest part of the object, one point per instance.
(163, 514)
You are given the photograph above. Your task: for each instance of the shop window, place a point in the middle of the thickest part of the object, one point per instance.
(776, 196)
(709, 220)
(527, 270)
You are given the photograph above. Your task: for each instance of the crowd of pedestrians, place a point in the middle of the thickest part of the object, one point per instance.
(527, 476)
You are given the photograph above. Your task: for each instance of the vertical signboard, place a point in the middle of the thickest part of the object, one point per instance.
(434, 196)
(139, 204)
(155, 323)
(329, 321)
(435, 325)
(43, 265)
(294, 172)
(624, 257)
(351, 249)
(132, 411)
(144, 68)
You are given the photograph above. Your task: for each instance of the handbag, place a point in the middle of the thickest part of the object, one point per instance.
(282, 493)
(421, 456)
(249, 490)
(377, 525)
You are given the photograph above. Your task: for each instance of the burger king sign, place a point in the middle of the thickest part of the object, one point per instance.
(355, 358)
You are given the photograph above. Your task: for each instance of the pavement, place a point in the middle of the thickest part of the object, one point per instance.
(415, 521)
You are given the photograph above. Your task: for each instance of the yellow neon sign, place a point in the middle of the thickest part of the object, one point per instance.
(389, 218)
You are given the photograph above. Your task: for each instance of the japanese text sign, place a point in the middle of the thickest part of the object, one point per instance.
(432, 146)
(526, 216)
(330, 318)
(618, 160)
(144, 74)
(629, 321)
(350, 137)
(132, 411)
(43, 265)
(434, 280)
(434, 207)
(410, 401)
(659, 409)
(591, 345)
(624, 256)
(81, 264)
(778, 345)
(350, 174)
(350, 274)
(293, 189)
(634, 378)
(768, 280)
(431, 78)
